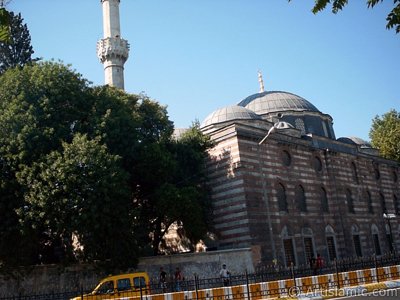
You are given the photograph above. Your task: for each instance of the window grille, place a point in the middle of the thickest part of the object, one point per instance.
(330, 241)
(377, 246)
(289, 252)
(357, 245)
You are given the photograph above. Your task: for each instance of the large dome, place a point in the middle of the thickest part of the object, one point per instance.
(229, 113)
(276, 101)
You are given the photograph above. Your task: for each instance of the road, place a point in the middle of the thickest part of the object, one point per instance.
(382, 294)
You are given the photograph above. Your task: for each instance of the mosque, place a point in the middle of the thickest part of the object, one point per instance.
(282, 183)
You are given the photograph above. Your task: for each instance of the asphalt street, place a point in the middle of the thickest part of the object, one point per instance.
(379, 294)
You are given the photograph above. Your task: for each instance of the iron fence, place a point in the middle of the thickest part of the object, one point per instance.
(262, 274)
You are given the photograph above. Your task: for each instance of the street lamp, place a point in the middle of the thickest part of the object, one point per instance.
(277, 126)
(388, 217)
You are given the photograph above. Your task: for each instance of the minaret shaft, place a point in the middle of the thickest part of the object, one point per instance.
(111, 26)
(112, 50)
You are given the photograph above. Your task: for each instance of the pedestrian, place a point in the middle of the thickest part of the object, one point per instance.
(319, 263)
(178, 279)
(313, 264)
(225, 275)
(163, 280)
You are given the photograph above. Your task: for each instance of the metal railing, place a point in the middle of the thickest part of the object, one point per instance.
(263, 274)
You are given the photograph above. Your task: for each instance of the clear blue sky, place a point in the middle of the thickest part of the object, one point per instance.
(197, 56)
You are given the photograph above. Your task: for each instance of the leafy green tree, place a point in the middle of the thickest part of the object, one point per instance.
(176, 192)
(4, 25)
(385, 134)
(45, 105)
(69, 152)
(393, 18)
(80, 194)
(15, 41)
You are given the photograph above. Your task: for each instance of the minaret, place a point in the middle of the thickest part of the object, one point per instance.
(112, 50)
(261, 82)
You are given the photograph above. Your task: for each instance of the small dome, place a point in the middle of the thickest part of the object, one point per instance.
(352, 140)
(229, 113)
(276, 101)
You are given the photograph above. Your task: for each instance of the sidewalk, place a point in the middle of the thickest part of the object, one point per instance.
(377, 288)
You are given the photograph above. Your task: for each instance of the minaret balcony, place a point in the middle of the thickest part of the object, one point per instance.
(112, 47)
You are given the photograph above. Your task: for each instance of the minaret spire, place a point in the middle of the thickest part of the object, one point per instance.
(112, 50)
(261, 82)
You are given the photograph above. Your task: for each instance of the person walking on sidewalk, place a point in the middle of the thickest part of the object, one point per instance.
(225, 275)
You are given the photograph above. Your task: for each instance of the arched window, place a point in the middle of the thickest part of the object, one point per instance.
(376, 171)
(383, 202)
(389, 235)
(350, 202)
(288, 247)
(324, 200)
(396, 204)
(299, 124)
(317, 164)
(330, 242)
(281, 194)
(355, 232)
(394, 175)
(300, 198)
(375, 239)
(308, 243)
(369, 202)
(286, 158)
(354, 171)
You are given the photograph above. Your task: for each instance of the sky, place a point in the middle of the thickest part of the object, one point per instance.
(198, 56)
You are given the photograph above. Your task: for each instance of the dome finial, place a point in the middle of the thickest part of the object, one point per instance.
(261, 81)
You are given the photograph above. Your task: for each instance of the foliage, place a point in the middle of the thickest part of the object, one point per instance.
(393, 18)
(171, 176)
(81, 196)
(91, 173)
(4, 26)
(15, 41)
(385, 134)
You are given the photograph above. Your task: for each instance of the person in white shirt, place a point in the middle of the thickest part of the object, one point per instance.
(224, 274)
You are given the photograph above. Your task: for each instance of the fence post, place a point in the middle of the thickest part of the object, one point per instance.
(196, 286)
(248, 287)
(81, 292)
(376, 268)
(337, 273)
(293, 277)
(140, 287)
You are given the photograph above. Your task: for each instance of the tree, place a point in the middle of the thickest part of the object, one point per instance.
(4, 25)
(41, 104)
(171, 177)
(81, 196)
(15, 41)
(393, 18)
(385, 134)
(90, 172)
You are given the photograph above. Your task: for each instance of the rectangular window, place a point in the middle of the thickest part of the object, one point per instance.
(377, 246)
(357, 245)
(123, 284)
(289, 252)
(139, 282)
(308, 248)
(330, 241)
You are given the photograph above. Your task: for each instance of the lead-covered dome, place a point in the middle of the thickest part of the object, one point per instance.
(355, 141)
(276, 101)
(229, 113)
